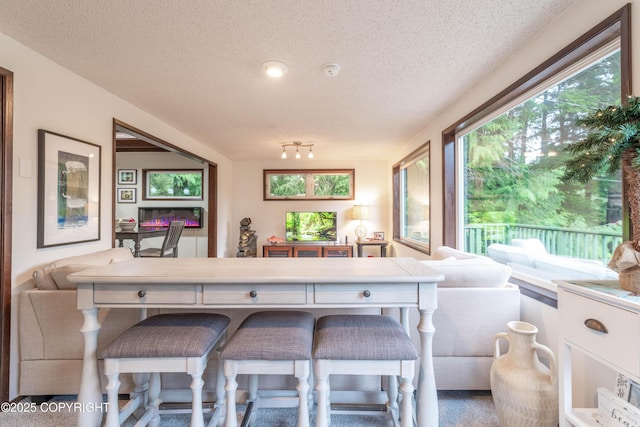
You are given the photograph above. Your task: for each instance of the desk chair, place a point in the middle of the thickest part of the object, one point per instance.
(169, 245)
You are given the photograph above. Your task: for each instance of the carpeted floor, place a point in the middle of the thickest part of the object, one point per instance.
(457, 409)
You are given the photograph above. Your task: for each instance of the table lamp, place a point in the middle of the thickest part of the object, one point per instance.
(361, 212)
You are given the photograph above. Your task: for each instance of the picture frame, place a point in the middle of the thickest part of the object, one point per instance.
(172, 184)
(126, 195)
(378, 235)
(68, 190)
(127, 176)
(627, 389)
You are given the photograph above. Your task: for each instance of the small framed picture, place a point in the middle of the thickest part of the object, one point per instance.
(127, 176)
(627, 389)
(634, 394)
(126, 195)
(378, 235)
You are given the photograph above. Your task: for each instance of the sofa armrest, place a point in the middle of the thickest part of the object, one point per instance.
(467, 319)
(50, 325)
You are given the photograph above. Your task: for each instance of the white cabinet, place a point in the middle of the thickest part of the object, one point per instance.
(602, 321)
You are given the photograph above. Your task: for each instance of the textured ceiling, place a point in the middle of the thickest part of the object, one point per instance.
(197, 64)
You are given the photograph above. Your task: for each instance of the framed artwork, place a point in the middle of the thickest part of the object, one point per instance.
(126, 195)
(308, 184)
(378, 235)
(68, 190)
(127, 176)
(172, 184)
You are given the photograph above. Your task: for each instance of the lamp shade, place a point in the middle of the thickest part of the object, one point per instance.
(361, 212)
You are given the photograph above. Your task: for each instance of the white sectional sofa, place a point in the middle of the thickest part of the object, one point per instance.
(474, 303)
(531, 257)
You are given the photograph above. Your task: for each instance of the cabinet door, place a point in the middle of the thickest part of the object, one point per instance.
(277, 251)
(307, 252)
(337, 251)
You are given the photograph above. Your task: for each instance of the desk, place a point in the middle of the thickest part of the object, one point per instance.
(274, 283)
(382, 243)
(138, 235)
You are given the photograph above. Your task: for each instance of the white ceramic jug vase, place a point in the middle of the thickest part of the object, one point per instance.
(525, 391)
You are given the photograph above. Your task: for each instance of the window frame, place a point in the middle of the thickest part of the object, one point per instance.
(309, 175)
(422, 152)
(617, 25)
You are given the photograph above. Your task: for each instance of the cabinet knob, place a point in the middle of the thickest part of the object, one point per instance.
(366, 294)
(142, 293)
(253, 294)
(596, 325)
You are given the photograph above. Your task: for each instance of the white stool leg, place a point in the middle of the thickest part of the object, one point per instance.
(301, 371)
(322, 389)
(406, 389)
(254, 381)
(113, 385)
(140, 388)
(153, 404)
(197, 419)
(230, 372)
(392, 394)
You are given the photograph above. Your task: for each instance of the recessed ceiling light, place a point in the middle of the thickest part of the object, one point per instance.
(275, 68)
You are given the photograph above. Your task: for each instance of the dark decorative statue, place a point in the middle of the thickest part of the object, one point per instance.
(247, 246)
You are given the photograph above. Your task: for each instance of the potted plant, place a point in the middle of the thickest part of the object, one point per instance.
(613, 143)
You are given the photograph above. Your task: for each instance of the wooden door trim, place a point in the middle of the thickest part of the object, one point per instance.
(6, 183)
(212, 214)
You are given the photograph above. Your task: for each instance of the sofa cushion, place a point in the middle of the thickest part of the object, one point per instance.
(510, 254)
(480, 272)
(59, 275)
(47, 277)
(444, 252)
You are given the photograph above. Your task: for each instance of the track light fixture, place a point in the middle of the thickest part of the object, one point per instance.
(298, 145)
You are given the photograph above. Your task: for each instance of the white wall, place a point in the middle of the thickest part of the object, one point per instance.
(193, 242)
(50, 97)
(47, 96)
(267, 216)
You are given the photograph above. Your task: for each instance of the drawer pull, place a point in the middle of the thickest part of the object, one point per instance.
(366, 294)
(253, 294)
(142, 293)
(596, 325)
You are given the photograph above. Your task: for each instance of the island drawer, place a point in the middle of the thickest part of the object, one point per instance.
(619, 344)
(362, 293)
(116, 293)
(234, 293)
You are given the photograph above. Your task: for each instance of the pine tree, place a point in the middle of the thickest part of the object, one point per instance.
(613, 142)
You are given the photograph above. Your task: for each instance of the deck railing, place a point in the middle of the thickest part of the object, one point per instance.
(596, 245)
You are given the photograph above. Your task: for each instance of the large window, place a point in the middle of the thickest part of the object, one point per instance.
(510, 202)
(411, 200)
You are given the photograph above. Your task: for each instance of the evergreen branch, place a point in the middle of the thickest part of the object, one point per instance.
(613, 131)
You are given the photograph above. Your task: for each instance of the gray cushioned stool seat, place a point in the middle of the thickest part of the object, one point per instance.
(362, 337)
(169, 335)
(363, 344)
(269, 343)
(175, 342)
(272, 335)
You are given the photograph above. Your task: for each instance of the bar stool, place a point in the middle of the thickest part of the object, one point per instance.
(176, 342)
(274, 343)
(363, 345)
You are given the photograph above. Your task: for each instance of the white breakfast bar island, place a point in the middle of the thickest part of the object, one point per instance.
(270, 283)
